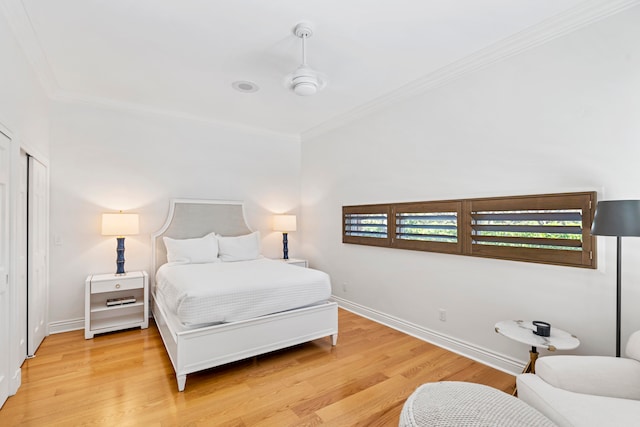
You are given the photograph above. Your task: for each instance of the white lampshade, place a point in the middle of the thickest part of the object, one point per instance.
(119, 224)
(284, 223)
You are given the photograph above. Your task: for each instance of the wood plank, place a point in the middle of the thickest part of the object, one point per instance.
(125, 378)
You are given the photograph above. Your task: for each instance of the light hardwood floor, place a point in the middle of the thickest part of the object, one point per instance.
(126, 379)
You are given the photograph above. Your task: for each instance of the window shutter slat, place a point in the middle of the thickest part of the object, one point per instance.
(530, 216)
(529, 242)
(555, 229)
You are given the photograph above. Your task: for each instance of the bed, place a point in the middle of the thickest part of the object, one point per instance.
(197, 346)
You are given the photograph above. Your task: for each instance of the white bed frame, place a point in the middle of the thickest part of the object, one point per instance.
(197, 349)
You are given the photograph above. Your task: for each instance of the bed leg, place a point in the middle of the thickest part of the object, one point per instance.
(182, 381)
(334, 339)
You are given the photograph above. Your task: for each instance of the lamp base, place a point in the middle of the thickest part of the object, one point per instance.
(618, 292)
(120, 259)
(285, 247)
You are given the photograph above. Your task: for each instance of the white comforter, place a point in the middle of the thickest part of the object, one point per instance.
(231, 291)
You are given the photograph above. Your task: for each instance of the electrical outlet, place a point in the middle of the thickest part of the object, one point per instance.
(344, 286)
(443, 315)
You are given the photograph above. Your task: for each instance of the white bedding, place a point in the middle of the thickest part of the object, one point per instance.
(232, 291)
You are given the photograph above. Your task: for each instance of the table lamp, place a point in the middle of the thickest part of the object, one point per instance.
(617, 218)
(284, 223)
(120, 225)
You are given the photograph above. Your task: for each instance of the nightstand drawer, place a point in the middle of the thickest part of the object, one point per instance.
(117, 284)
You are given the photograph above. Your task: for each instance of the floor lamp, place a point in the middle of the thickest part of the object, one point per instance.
(617, 218)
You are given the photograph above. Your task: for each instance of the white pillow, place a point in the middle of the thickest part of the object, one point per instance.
(241, 248)
(194, 251)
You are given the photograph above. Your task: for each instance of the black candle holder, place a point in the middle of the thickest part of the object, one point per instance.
(543, 329)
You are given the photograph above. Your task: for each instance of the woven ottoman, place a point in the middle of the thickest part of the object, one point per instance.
(458, 404)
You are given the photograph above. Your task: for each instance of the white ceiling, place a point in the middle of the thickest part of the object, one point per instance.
(181, 56)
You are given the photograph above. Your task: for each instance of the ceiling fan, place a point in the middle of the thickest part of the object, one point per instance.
(305, 81)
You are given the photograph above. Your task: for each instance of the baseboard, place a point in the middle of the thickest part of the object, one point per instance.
(479, 354)
(16, 382)
(70, 325)
(66, 326)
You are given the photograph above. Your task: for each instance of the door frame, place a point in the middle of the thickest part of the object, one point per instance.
(15, 361)
(7, 312)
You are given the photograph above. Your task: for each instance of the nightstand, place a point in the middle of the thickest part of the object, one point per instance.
(114, 302)
(296, 261)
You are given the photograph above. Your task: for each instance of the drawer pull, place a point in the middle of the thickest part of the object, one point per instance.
(118, 286)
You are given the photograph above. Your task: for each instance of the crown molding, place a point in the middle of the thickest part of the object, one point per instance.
(23, 31)
(143, 109)
(550, 29)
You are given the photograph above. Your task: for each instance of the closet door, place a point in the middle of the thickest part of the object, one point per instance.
(38, 293)
(21, 254)
(5, 153)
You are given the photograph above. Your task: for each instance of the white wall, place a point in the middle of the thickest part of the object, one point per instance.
(105, 160)
(23, 103)
(562, 117)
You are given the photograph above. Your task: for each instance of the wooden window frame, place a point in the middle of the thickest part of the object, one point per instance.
(365, 209)
(426, 207)
(584, 201)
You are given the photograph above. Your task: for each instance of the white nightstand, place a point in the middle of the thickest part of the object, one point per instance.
(296, 261)
(100, 292)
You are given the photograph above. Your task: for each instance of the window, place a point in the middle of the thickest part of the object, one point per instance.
(427, 226)
(366, 226)
(551, 228)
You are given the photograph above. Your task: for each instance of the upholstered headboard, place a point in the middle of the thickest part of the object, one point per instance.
(195, 218)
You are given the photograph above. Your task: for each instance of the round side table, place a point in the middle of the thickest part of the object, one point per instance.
(522, 331)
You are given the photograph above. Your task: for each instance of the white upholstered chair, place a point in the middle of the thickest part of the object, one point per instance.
(586, 390)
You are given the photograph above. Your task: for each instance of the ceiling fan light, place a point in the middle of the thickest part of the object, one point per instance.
(305, 88)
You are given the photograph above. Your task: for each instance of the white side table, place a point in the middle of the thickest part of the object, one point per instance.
(522, 331)
(296, 261)
(102, 310)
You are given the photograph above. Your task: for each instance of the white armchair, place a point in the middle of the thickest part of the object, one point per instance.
(586, 390)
